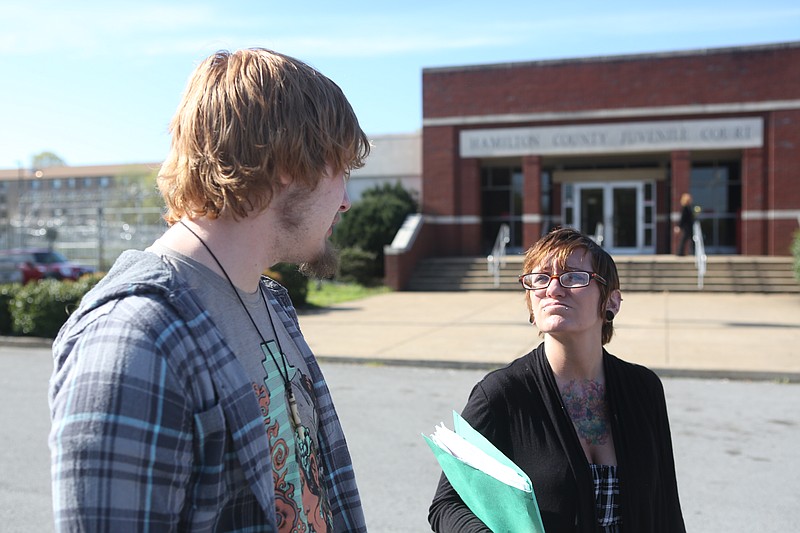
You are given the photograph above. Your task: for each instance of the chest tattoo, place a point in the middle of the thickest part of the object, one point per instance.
(585, 401)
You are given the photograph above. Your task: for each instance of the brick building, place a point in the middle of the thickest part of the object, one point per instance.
(608, 145)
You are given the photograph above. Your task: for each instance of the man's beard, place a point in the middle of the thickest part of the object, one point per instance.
(324, 265)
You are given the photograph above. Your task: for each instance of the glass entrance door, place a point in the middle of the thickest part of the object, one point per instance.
(618, 215)
(591, 212)
(625, 218)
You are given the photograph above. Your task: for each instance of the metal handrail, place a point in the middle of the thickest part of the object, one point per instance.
(700, 258)
(498, 255)
(599, 234)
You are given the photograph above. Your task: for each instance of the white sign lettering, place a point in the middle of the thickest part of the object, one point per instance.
(625, 137)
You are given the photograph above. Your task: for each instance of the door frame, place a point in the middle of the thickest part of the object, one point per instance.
(607, 237)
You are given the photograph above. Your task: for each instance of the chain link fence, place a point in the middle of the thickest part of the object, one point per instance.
(91, 228)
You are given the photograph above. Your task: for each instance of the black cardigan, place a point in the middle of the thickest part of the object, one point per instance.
(519, 409)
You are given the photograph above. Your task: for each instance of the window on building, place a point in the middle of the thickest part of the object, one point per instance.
(501, 203)
(716, 190)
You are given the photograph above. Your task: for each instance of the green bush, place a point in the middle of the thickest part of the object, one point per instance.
(796, 254)
(296, 283)
(373, 221)
(40, 309)
(358, 266)
(7, 293)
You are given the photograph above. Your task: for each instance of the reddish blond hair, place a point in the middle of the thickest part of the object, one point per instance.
(248, 119)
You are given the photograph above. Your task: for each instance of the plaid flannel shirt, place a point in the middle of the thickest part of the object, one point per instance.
(155, 426)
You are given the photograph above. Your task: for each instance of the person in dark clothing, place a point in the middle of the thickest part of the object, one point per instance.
(590, 430)
(686, 224)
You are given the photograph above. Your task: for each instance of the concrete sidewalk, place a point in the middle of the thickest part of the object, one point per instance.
(751, 336)
(737, 336)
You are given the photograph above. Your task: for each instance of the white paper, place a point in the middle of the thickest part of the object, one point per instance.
(458, 447)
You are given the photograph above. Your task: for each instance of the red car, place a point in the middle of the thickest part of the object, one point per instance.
(41, 263)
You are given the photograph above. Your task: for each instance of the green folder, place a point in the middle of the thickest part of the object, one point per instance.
(502, 507)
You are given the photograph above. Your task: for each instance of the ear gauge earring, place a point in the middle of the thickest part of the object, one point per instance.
(609, 316)
(531, 319)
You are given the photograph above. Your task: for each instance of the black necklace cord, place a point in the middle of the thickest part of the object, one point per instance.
(285, 374)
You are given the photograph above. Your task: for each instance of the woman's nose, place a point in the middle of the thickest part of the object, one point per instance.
(554, 287)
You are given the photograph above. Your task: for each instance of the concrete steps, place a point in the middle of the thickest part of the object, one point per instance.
(653, 273)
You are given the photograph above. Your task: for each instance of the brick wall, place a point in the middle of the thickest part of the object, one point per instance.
(717, 76)
(783, 178)
(531, 193)
(439, 164)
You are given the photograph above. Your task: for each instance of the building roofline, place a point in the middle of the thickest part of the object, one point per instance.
(621, 57)
(403, 135)
(87, 171)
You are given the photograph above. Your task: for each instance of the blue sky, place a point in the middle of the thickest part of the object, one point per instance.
(97, 82)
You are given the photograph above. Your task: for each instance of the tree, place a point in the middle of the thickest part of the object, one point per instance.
(137, 189)
(373, 221)
(46, 159)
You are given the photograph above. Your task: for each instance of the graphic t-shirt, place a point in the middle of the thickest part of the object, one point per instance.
(271, 358)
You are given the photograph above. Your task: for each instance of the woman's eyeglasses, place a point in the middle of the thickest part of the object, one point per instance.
(569, 280)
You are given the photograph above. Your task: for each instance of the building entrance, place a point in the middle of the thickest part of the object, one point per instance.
(619, 215)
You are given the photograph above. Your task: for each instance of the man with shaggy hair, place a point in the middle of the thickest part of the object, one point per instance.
(184, 396)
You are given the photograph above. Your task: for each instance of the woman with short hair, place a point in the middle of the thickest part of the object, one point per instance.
(590, 430)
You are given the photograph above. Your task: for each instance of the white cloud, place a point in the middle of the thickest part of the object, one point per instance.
(82, 29)
(672, 21)
(142, 28)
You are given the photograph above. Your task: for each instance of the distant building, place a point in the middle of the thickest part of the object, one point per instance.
(608, 145)
(393, 159)
(92, 213)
